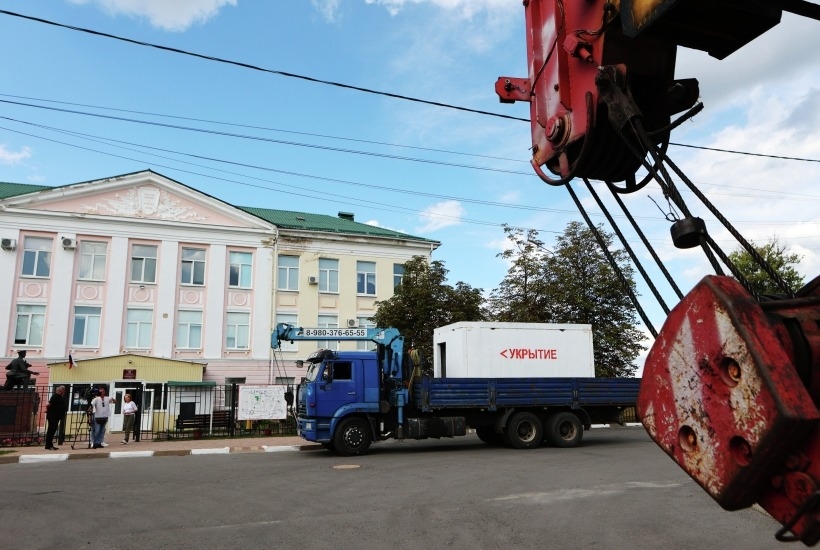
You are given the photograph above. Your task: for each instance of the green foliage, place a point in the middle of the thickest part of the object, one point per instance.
(573, 283)
(774, 252)
(424, 301)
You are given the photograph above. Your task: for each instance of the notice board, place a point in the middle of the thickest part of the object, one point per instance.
(262, 402)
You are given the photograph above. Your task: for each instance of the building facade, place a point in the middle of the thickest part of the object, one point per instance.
(144, 266)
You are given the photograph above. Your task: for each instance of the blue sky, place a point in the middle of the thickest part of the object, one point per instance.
(306, 146)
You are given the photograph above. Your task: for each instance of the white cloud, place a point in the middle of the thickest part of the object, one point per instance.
(440, 215)
(466, 8)
(12, 157)
(169, 15)
(328, 8)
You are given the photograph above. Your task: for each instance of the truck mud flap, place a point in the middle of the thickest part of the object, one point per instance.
(447, 426)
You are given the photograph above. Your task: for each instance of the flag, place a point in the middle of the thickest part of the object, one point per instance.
(70, 362)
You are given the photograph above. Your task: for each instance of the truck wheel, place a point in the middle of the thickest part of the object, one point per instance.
(524, 431)
(352, 437)
(487, 435)
(564, 430)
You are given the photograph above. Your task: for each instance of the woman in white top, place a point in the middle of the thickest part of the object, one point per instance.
(129, 410)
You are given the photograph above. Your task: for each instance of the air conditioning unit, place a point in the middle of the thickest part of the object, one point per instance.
(313, 280)
(352, 323)
(8, 244)
(69, 244)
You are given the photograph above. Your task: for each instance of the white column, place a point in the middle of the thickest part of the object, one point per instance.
(261, 322)
(166, 303)
(113, 330)
(214, 318)
(61, 294)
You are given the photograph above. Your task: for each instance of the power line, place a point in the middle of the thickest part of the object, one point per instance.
(266, 128)
(257, 68)
(342, 85)
(269, 140)
(290, 189)
(743, 152)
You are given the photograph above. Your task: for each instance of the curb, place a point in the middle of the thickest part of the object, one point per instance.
(62, 457)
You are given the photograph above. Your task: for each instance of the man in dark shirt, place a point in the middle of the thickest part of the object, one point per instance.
(55, 411)
(18, 373)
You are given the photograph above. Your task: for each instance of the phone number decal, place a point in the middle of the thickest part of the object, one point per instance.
(336, 332)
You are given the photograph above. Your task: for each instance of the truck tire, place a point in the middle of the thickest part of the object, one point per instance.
(524, 431)
(487, 435)
(352, 437)
(564, 429)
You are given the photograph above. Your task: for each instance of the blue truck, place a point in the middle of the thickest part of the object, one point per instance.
(350, 399)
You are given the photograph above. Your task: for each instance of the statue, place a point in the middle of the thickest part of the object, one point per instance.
(19, 372)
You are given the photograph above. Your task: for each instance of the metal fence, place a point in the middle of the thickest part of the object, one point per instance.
(165, 412)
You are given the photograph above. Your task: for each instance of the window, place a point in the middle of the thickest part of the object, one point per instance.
(328, 321)
(398, 274)
(285, 380)
(138, 330)
(241, 268)
(328, 275)
(37, 257)
(291, 319)
(160, 401)
(193, 266)
(143, 263)
(288, 278)
(86, 326)
(343, 370)
(238, 331)
(366, 278)
(30, 323)
(365, 345)
(92, 261)
(189, 330)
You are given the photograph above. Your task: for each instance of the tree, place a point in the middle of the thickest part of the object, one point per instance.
(573, 283)
(522, 296)
(424, 301)
(774, 252)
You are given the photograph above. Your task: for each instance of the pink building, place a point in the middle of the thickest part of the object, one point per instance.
(142, 265)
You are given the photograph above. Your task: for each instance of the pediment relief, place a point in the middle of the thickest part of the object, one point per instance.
(145, 201)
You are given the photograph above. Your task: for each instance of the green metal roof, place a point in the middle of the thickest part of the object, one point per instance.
(13, 189)
(287, 219)
(206, 383)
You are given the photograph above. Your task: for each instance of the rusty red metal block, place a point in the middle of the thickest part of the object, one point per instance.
(727, 393)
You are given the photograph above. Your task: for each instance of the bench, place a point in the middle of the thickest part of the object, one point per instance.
(221, 421)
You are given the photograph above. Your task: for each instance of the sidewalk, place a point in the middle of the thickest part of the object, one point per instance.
(149, 448)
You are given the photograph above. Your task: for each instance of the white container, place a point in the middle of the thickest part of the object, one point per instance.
(512, 350)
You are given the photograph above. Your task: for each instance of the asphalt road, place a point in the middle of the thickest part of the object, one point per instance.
(617, 490)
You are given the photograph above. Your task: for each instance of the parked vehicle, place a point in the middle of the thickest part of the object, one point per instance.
(349, 399)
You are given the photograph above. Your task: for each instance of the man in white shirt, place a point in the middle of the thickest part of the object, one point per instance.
(101, 411)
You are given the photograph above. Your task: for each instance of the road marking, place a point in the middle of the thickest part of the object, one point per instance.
(217, 451)
(276, 449)
(29, 459)
(131, 454)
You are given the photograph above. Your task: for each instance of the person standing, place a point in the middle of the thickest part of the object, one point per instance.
(55, 412)
(101, 410)
(129, 412)
(19, 373)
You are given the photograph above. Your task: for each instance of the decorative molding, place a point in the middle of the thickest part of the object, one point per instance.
(144, 202)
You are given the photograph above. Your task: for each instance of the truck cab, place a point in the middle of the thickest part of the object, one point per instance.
(337, 385)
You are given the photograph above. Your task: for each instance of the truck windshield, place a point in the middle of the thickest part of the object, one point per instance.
(313, 371)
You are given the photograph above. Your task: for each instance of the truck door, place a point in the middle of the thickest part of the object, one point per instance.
(337, 387)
